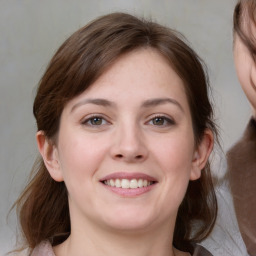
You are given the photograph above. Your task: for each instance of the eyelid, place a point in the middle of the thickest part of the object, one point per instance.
(89, 117)
(170, 120)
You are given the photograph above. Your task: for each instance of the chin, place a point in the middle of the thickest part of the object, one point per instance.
(132, 220)
(131, 226)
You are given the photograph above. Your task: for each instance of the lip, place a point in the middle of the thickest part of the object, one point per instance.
(127, 192)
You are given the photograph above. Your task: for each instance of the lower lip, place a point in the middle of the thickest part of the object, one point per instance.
(130, 192)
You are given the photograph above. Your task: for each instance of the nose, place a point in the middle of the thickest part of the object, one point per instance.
(129, 145)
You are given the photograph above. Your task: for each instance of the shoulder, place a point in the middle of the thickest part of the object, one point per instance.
(43, 249)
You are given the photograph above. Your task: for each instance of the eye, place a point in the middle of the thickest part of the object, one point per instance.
(161, 121)
(94, 121)
(158, 121)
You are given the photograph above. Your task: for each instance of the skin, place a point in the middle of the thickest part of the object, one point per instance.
(246, 71)
(128, 138)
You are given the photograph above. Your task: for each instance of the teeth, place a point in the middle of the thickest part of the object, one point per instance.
(125, 183)
(133, 183)
(117, 183)
(112, 183)
(140, 183)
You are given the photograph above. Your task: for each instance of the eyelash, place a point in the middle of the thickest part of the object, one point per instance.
(167, 121)
(88, 120)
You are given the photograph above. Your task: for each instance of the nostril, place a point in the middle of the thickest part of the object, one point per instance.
(119, 156)
(139, 157)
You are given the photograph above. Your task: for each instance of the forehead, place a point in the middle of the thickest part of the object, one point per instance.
(138, 76)
(146, 68)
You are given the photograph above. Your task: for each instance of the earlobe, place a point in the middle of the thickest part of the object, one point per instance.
(201, 155)
(50, 157)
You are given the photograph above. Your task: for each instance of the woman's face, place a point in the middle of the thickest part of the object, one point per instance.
(126, 148)
(246, 70)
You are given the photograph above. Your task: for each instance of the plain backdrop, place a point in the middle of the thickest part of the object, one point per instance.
(32, 30)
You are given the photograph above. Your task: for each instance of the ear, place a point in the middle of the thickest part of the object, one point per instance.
(201, 155)
(50, 156)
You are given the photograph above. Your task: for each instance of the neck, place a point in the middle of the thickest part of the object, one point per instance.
(94, 241)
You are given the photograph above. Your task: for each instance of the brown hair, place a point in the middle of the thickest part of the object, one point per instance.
(244, 19)
(83, 57)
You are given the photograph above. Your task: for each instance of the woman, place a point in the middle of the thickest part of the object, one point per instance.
(242, 157)
(124, 146)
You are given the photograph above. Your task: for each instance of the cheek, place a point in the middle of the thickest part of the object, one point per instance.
(175, 160)
(177, 153)
(253, 76)
(244, 66)
(241, 71)
(252, 93)
(244, 79)
(247, 79)
(80, 158)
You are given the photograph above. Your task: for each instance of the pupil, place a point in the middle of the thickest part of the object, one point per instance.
(96, 121)
(158, 121)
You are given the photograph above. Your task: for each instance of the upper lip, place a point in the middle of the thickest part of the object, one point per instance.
(129, 176)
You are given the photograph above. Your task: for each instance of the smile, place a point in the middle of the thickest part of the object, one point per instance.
(128, 183)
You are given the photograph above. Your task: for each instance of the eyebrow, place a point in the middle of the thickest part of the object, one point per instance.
(146, 104)
(161, 101)
(99, 102)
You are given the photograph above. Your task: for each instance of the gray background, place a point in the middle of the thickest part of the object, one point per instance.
(31, 31)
